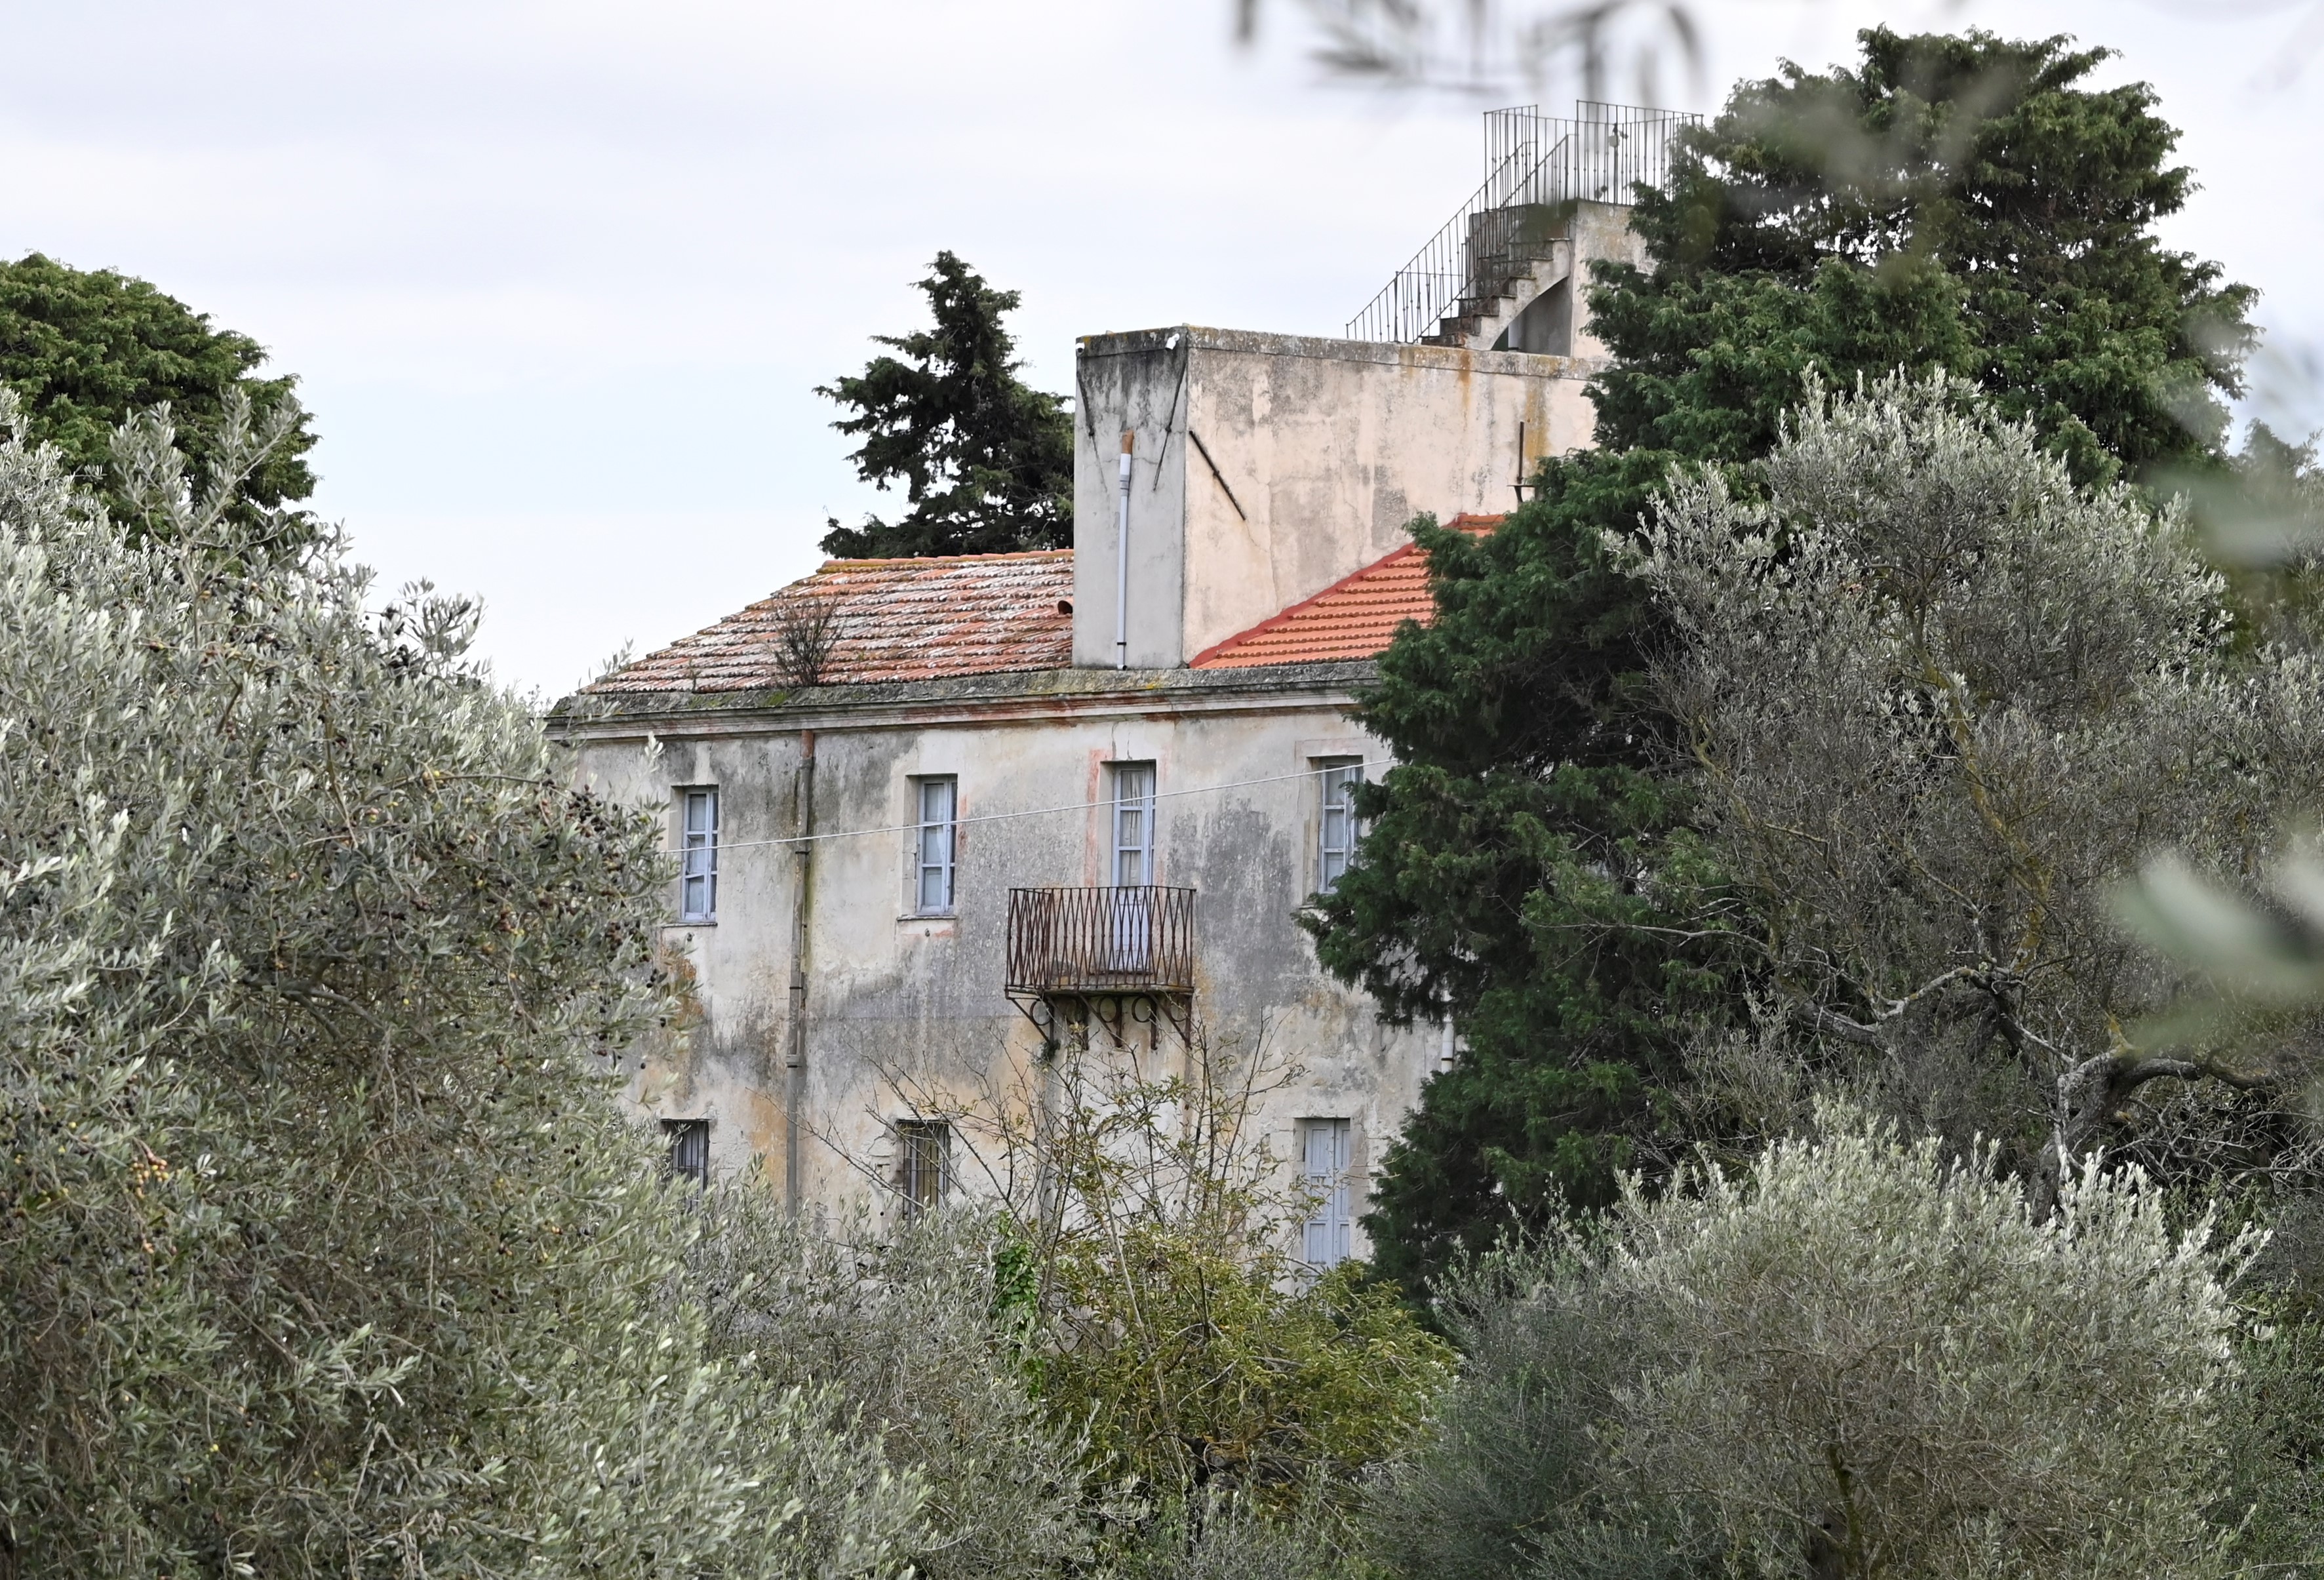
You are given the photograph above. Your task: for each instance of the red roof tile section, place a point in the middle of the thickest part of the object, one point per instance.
(1353, 618)
(891, 620)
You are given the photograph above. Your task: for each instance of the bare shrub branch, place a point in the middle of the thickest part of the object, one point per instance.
(806, 634)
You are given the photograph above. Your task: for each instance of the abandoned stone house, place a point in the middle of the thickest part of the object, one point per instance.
(937, 815)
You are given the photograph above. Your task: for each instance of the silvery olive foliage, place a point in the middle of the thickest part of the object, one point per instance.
(1221, 1538)
(1942, 702)
(911, 1330)
(1864, 1357)
(1513, 1459)
(322, 1246)
(2258, 951)
(1879, 1357)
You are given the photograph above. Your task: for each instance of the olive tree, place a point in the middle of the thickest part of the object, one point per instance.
(1862, 1357)
(1882, 1357)
(910, 1329)
(1941, 701)
(323, 1248)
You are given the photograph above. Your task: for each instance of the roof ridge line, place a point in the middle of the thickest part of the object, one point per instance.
(928, 559)
(1285, 613)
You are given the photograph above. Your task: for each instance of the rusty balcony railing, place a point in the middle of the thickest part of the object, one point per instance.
(1077, 941)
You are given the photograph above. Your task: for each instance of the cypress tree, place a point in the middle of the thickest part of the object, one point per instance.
(1951, 201)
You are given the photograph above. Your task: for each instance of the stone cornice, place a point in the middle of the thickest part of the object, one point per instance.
(1028, 697)
(1451, 358)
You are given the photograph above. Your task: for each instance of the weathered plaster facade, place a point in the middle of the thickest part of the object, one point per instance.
(892, 993)
(826, 999)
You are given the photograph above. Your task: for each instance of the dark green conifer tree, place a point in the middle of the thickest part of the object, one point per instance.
(1955, 201)
(986, 461)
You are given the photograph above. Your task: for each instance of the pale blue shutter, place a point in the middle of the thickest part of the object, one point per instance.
(1325, 1163)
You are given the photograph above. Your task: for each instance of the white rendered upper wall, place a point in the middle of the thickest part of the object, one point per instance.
(1270, 465)
(1265, 467)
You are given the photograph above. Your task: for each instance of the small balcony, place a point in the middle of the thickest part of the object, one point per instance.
(1086, 943)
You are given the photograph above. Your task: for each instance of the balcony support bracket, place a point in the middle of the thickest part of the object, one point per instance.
(1058, 1016)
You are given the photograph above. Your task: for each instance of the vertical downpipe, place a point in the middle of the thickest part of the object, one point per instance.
(795, 1059)
(1122, 566)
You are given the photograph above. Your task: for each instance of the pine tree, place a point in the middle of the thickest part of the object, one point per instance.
(986, 461)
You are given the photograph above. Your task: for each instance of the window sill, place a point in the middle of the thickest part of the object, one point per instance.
(669, 927)
(934, 921)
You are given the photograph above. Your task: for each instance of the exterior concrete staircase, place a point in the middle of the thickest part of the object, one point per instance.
(1506, 280)
(1550, 185)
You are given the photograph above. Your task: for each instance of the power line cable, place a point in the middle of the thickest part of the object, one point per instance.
(1200, 789)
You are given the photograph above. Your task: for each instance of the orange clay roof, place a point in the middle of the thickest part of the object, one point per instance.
(895, 620)
(1353, 618)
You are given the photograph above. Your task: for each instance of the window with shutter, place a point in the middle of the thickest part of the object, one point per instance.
(697, 884)
(938, 839)
(1323, 1163)
(1338, 824)
(1133, 825)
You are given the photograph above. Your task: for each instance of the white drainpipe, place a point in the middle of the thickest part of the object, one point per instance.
(1122, 566)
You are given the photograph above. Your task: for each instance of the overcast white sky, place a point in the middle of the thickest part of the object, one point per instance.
(559, 279)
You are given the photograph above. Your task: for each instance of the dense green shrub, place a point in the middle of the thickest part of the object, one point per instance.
(1154, 1287)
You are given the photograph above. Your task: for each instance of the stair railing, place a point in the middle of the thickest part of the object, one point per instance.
(1603, 154)
(1444, 271)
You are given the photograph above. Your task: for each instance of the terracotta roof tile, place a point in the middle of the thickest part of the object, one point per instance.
(893, 620)
(1353, 618)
